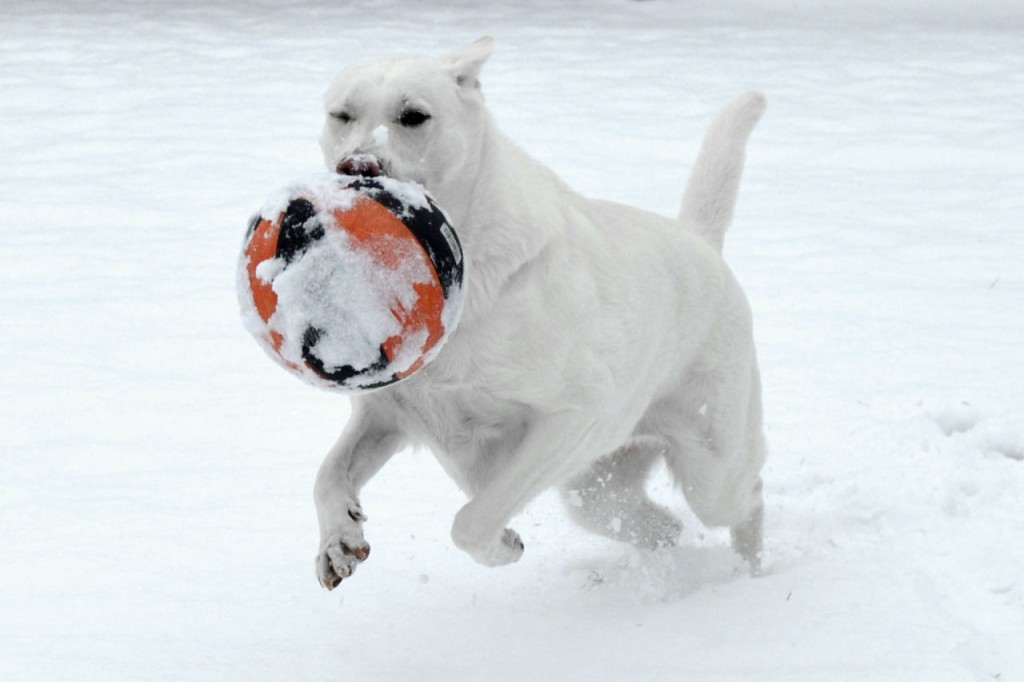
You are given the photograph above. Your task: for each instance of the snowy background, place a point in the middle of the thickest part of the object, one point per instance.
(156, 519)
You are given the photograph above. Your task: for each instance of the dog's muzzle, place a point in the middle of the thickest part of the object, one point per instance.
(366, 165)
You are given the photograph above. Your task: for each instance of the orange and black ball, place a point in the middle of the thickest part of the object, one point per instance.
(351, 283)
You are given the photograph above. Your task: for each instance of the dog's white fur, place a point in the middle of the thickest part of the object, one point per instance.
(596, 338)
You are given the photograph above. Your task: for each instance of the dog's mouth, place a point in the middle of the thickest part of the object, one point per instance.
(364, 165)
(372, 166)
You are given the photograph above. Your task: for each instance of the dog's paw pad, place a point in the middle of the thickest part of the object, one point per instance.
(511, 539)
(340, 553)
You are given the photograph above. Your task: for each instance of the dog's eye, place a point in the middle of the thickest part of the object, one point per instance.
(342, 116)
(412, 118)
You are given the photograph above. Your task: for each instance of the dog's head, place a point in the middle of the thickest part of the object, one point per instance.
(410, 119)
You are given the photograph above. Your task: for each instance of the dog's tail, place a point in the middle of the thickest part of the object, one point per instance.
(715, 179)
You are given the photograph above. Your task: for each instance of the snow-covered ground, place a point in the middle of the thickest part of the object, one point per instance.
(156, 519)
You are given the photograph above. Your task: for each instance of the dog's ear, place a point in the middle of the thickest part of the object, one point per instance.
(465, 65)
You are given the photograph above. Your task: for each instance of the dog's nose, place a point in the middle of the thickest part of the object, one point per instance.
(363, 164)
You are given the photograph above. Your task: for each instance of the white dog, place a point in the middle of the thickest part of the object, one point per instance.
(596, 338)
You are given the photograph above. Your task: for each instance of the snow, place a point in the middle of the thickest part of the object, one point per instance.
(411, 194)
(155, 480)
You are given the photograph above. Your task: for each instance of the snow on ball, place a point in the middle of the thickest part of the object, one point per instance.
(351, 283)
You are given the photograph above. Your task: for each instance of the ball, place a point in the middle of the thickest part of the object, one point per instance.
(351, 283)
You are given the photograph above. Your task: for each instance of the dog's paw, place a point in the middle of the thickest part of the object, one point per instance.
(506, 550)
(486, 550)
(342, 548)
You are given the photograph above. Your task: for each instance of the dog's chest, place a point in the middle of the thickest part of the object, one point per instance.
(467, 428)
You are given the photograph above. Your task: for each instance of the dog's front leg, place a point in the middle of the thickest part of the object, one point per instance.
(548, 454)
(362, 449)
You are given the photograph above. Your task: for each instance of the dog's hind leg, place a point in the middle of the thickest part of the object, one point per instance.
(717, 454)
(609, 498)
